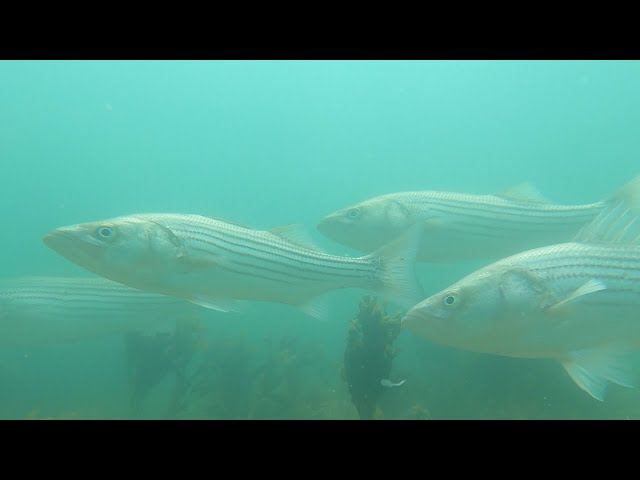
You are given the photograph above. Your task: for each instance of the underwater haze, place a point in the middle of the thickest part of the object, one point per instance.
(270, 143)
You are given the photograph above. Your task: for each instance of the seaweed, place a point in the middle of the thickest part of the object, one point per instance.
(238, 380)
(369, 355)
(283, 380)
(151, 358)
(221, 383)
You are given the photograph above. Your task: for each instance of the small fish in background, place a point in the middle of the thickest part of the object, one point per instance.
(214, 263)
(37, 311)
(385, 382)
(460, 226)
(576, 303)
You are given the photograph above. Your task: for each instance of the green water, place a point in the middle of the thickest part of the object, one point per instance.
(267, 143)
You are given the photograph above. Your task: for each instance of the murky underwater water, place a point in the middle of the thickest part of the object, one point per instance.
(269, 143)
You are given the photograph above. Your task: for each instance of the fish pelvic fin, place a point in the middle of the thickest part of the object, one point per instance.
(397, 261)
(317, 308)
(224, 305)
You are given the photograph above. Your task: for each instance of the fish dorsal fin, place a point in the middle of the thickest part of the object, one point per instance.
(618, 222)
(593, 368)
(591, 286)
(523, 192)
(296, 234)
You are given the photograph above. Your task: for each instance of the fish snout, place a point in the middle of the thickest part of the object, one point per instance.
(335, 227)
(53, 238)
(324, 225)
(411, 319)
(419, 317)
(58, 232)
(62, 239)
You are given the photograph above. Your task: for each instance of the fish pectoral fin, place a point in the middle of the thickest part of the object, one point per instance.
(316, 307)
(591, 286)
(591, 369)
(296, 234)
(192, 263)
(523, 192)
(213, 303)
(432, 225)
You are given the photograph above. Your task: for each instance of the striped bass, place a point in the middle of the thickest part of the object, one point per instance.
(50, 310)
(459, 226)
(575, 302)
(213, 263)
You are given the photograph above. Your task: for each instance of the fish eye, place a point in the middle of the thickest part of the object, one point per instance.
(354, 212)
(104, 232)
(450, 299)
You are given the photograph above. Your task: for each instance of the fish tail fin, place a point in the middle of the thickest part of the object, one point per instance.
(618, 221)
(629, 193)
(397, 261)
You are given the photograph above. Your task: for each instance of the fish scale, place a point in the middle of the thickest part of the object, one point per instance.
(48, 310)
(566, 267)
(461, 226)
(215, 263)
(261, 254)
(575, 302)
(218, 238)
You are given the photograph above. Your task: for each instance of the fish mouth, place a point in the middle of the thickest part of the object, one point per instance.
(324, 225)
(419, 323)
(411, 320)
(58, 239)
(66, 243)
(427, 326)
(334, 227)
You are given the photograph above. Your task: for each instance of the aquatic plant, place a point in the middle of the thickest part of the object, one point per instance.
(151, 358)
(281, 378)
(284, 388)
(369, 354)
(221, 382)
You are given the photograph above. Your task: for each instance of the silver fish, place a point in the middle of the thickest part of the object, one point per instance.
(459, 226)
(214, 263)
(576, 302)
(50, 310)
(385, 382)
